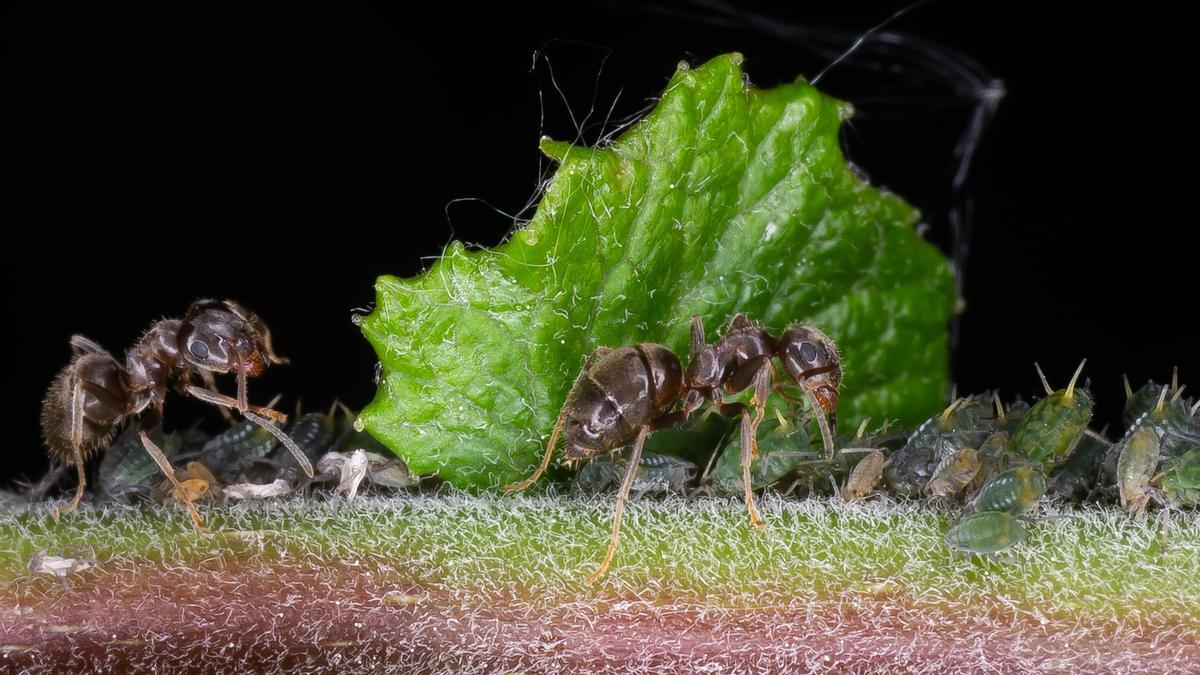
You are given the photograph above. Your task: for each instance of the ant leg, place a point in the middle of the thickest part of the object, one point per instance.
(76, 447)
(287, 441)
(558, 425)
(698, 339)
(228, 402)
(82, 345)
(748, 488)
(210, 383)
(622, 495)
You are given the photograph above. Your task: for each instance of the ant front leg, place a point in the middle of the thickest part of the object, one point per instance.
(756, 374)
(263, 417)
(622, 495)
(558, 425)
(210, 383)
(748, 447)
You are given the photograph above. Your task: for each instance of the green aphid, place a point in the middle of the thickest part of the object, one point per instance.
(1075, 478)
(1181, 478)
(993, 457)
(1050, 429)
(230, 453)
(127, 469)
(1176, 426)
(1014, 490)
(1140, 454)
(986, 532)
(656, 474)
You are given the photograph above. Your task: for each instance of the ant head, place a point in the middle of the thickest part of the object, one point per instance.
(222, 337)
(704, 370)
(812, 361)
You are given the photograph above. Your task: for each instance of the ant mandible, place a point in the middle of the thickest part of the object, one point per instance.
(94, 394)
(624, 394)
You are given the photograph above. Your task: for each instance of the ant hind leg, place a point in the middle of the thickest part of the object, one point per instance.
(622, 495)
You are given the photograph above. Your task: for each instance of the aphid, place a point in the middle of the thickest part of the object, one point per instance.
(1075, 478)
(233, 451)
(1180, 478)
(993, 455)
(865, 477)
(985, 533)
(1049, 431)
(1015, 491)
(953, 474)
(941, 436)
(126, 469)
(94, 394)
(1140, 455)
(655, 474)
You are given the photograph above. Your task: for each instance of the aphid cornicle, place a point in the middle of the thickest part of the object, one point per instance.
(95, 393)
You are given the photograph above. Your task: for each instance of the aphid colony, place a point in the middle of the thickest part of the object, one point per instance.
(994, 462)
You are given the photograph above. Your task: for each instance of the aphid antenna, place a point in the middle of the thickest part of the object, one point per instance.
(1128, 389)
(1042, 376)
(1074, 378)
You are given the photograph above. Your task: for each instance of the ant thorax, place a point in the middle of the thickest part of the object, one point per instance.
(151, 363)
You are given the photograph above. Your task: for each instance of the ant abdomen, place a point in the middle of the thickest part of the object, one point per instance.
(621, 391)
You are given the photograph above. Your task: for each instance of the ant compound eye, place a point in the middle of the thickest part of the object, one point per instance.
(808, 351)
(198, 349)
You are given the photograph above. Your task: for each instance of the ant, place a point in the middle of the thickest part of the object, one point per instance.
(624, 394)
(94, 394)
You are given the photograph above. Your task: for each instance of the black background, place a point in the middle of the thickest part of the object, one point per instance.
(286, 157)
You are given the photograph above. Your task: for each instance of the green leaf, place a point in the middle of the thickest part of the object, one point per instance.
(723, 199)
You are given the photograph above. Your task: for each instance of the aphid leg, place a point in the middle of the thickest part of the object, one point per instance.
(210, 383)
(228, 402)
(76, 447)
(747, 487)
(764, 461)
(287, 441)
(622, 495)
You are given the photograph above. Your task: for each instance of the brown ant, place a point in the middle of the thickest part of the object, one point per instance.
(624, 394)
(94, 394)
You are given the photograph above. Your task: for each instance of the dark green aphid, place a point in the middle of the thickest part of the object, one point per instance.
(783, 450)
(655, 474)
(1181, 478)
(127, 469)
(1075, 478)
(1145, 399)
(986, 532)
(912, 467)
(230, 453)
(1014, 491)
(1053, 425)
(1176, 427)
